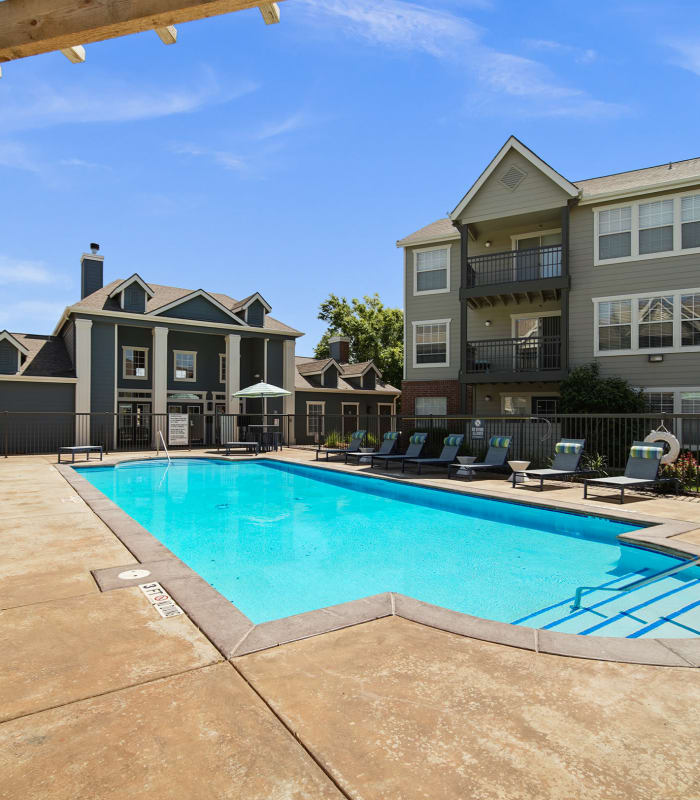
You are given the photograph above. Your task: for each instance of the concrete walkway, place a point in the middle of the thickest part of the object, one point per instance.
(100, 697)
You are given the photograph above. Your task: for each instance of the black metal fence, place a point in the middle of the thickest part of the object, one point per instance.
(515, 265)
(608, 437)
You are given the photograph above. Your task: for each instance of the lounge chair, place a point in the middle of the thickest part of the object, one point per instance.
(388, 445)
(416, 443)
(353, 447)
(567, 457)
(642, 470)
(495, 457)
(451, 445)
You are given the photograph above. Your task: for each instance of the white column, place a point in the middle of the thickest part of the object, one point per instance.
(160, 382)
(264, 403)
(83, 371)
(288, 375)
(233, 372)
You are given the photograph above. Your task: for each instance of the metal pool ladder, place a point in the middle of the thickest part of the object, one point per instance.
(628, 587)
(160, 433)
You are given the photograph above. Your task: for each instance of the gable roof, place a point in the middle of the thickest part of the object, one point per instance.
(101, 300)
(46, 356)
(192, 296)
(6, 336)
(672, 174)
(307, 368)
(435, 232)
(135, 278)
(526, 153)
(242, 304)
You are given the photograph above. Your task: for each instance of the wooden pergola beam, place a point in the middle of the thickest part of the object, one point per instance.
(30, 27)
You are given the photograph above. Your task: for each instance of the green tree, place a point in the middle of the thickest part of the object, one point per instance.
(585, 392)
(375, 330)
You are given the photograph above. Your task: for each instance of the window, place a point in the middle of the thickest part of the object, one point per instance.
(655, 227)
(135, 362)
(690, 402)
(647, 229)
(431, 406)
(615, 233)
(430, 343)
(647, 323)
(690, 320)
(185, 365)
(690, 221)
(518, 406)
(431, 270)
(655, 322)
(615, 325)
(659, 402)
(314, 418)
(222, 367)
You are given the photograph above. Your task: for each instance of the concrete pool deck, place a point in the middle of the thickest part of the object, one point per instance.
(100, 697)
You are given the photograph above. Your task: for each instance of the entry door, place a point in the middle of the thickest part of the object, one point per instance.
(196, 420)
(349, 412)
(534, 263)
(539, 345)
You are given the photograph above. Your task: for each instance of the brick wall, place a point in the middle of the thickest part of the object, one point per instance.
(412, 389)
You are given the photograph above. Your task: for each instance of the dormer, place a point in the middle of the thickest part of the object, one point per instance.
(132, 294)
(12, 354)
(330, 376)
(252, 310)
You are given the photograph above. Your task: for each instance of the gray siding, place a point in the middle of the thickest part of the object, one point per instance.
(367, 406)
(658, 274)
(275, 373)
(433, 306)
(21, 396)
(8, 358)
(493, 200)
(134, 337)
(255, 315)
(102, 367)
(369, 380)
(207, 349)
(198, 308)
(134, 299)
(69, 340)
(330, 378)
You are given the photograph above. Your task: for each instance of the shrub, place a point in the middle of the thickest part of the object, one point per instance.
(334, 439)
(595, 462)
(584, 391)
(370, 441)
(685, 470)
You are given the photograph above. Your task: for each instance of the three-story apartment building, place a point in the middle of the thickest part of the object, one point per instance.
(533, 274)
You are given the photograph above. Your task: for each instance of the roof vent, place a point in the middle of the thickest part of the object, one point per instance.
(512, 177)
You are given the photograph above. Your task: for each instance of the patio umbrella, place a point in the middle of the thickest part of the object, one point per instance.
(262, 390)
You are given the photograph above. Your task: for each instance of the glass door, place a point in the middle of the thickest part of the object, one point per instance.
(535, 259)
(196, 421)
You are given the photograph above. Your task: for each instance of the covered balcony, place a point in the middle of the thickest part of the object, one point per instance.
(521, 275)
(522, 359)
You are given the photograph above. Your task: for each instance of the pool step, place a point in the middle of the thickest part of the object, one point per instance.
(667, 608)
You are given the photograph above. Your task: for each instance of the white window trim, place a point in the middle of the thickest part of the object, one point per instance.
(530, 315)
(416, 292)
(517, 236)
(321, 403)
(176, 353)
(222, 361)
(126, 347)
(390, 406)
(634, 250)
(635, 349)
(446, 322)
(529, 395)
(430, 397)
(342, 408)
(677, 392)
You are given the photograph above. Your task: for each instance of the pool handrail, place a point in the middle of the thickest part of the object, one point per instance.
(628, 587)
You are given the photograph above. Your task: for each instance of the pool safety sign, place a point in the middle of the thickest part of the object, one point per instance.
(178, 429)
(478, 431)
(160, 599)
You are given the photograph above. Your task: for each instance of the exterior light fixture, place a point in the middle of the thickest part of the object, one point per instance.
(487, 398)
(487, 323)
(656, 357)
(487, 243)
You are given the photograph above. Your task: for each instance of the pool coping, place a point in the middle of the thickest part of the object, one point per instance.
(235, 635)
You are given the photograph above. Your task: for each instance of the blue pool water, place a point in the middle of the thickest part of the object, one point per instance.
(279, 539)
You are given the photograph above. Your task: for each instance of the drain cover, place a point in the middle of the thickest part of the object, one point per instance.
(222, 505)
(132, 574)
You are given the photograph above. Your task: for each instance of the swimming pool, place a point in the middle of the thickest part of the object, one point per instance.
(278, 539)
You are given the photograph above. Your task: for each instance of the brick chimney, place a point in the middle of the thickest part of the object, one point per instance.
(340, 348)
(91, 278)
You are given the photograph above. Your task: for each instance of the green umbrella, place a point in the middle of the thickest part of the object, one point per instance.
(262, 390)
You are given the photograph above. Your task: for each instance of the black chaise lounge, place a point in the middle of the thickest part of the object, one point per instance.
(353, 447)
(642, 471)
(494, 461)
(387, 447)
(451, 445)
(567, 458)
(416, 443)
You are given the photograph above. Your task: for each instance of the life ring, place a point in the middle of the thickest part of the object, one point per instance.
(674, 446)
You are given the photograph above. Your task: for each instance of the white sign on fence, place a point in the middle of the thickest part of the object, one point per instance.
(477, 429)
(178, 429)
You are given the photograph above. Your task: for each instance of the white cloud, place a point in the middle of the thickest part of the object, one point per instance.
(407, 26)
(223, 158)
(79, 162)
(686, 54)
(20, 271)
(582, 55)
(293, 122)
(34, 104)
(16, 155)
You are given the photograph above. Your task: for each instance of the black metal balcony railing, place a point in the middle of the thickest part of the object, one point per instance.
(530, 354)
(515, 265)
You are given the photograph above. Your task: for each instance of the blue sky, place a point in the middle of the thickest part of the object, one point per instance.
(288, 159)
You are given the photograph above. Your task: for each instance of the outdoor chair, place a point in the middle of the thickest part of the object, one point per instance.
(354, 446)
(388, 444)
(416, 443)
(451, 445)
(642, 471)
(495, 459)
(567, 458)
